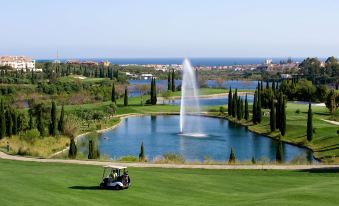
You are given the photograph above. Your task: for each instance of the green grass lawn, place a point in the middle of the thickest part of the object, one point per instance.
(27, 183)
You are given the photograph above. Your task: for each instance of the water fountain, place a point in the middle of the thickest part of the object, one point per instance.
(189, 102)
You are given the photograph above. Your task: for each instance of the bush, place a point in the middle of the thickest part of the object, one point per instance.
(30, 135)
(297, 111)
(173, 158)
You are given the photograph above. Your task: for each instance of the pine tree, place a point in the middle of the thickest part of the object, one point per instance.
(72, 153)
(142, 153)
(113, 94)
(126, 97)
(169, 82)
(246, 109)
(254, 108)
(309, 124)
(61, 120)
(53, 124)
(272, 116)
(259, 113)
(173, 81)
(229, 108)
(283, 118)
(3, 120)
(231, 159)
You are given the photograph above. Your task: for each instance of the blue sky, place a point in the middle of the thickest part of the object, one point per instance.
(169, 28)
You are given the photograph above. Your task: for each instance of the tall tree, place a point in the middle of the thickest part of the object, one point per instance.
(283, 118)
(259, 114)
(61, 120)
(169, 81)
(272, 116)
(9, 124)
(273, 86)
(238, 108)
(126, 97)
(254, 109)
(3, 120)
(229, 107)
(173, 81)
(246, 109)
(142, 153)
(234, 103)
(309, 123)
(53, 124)
(154, 95)
(113, 93)
(15, 122)
(39, 120)
(231, 159)
(72, 153)
(279, 155)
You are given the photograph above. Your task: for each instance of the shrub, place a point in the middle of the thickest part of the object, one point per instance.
(30, 135)
(173, 158)
(297, 111)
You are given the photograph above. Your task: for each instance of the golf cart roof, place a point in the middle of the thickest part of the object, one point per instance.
(114, 167)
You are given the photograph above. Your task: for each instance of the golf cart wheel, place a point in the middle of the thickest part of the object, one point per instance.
(117, 187)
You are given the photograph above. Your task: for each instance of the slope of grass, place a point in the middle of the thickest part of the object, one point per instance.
(27, 183)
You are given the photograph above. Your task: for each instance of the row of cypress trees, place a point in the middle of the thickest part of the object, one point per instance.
(236, 106)
(11, 122)
(171, 81)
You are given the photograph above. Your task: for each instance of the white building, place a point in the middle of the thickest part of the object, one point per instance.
(18, 63)
(146, 76)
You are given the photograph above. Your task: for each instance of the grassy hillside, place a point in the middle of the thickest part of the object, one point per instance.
(26, 183)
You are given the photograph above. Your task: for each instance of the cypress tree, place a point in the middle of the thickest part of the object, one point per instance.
(9, 123)
(90, 150)
(283, 118)
(246, 109)
(3, 120)
(154, 92)
(259, 114)
(235, 102)
(173, 81)
(254, 108)
(15, 122)
(61, 120)
(53, 124)
(30, 123)
(231, 159)
(238, 108)
(39, 121)
(142, 153)
(229, 107)
(113, 94)
(261, 86)
(267, 85)
(309, 124)
(72, 153)
(169, 81)
(272, 116)
(126, 97)
(280, 154)
(273, 86)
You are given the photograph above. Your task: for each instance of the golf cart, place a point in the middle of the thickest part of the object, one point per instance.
(115, 177)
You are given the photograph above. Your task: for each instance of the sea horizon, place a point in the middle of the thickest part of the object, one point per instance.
(196, 61)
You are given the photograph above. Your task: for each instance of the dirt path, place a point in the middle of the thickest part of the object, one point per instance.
(189, 166)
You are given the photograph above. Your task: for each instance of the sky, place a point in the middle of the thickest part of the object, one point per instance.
(169, 28)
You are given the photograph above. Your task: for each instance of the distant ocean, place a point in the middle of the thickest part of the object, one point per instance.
(194, 61)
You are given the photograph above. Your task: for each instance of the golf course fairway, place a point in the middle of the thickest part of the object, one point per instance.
(29, 183)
